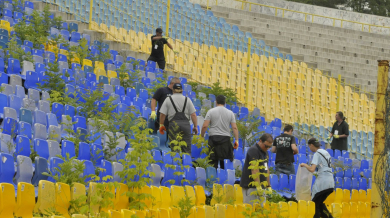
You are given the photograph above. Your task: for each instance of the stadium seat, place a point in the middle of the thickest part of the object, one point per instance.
(25, 200)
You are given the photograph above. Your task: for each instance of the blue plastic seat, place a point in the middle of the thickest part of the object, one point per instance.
(68, 148)
(10, 126)
(22, 146)
(292, 183)
(107, 171)
(346, 185)
(24, 129)
(364, 165)
(40, 117)
(7, 169)
(58, 110)
(302, 158)
(41, 166)
(13, 66)
(355, 183)
(363, 184)
(14, 102)
(55, 167)
(168, 175)
(88, 170)
(79, 121)
(97, 154)
(274, 182)
(84, 151)
(42, 148)
(348, 173)
(120, 90)
(222, 176)
(228, 164)
(211, 175)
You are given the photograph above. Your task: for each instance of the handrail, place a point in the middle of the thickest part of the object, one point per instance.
(244, 2)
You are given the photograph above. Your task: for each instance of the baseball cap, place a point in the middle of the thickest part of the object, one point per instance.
(177, 86)
(159, 30)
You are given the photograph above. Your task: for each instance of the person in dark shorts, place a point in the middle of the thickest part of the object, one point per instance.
(285, 148)
(158, 42)
(220, 119)
(159, 96)
(340, 133)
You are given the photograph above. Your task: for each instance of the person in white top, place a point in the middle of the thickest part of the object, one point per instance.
(220, 119)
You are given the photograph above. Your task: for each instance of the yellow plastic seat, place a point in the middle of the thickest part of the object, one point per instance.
(163, 213)
(112, 74)
(209, 211)
(62, 199)
(87, 62)
(336, 210)
(127, 213)
(92, 190)
(362, 209)
(355, 196)
(148, 193)
(151, 213)
(140, 213)
(311, 209)
(177, 193)
(121, 199)
(368, 197)
(46, 196)
(174, 212)
(25, 200)
(156, 197)
(239, 210)
(200, 195)
(346, 212)
(228, 194)
(218, 194)
(190, 193)
(99, 65)
(362, 195)
(114, 214)
(354, 209)
(346, 196)
(302, 209)
(283, 209)
(293, 209)
(220, 210)
(238, 197)
(5, 25)
(166, 200)
(338, 196)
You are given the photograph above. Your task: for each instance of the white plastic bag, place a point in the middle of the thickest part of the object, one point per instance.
(303, 184)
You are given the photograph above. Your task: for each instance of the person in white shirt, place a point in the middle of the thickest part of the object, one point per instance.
(220, 119)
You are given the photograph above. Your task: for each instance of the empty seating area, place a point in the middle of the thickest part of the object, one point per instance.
(282, 91)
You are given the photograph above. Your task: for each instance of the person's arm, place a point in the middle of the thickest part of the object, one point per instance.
(311, 168)
(204, 127)
(268, 179)
(156, 38)
(153, 104)
(295, 149)
(169, 45)
(235, 130)
(273, 149)
(195, 122)
(162, 118)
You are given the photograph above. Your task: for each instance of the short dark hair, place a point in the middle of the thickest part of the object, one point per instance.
(288, 128)
(221, 99)
(315, 142)
(266, 137)
(341, 115)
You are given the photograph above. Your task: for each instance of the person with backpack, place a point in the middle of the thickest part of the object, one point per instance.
(324, 184)
(179, 109)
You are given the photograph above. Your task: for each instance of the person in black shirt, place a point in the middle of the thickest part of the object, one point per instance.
(158, 42)
(256, 152)
(159, 96)
(285, 148)
(340, 132)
